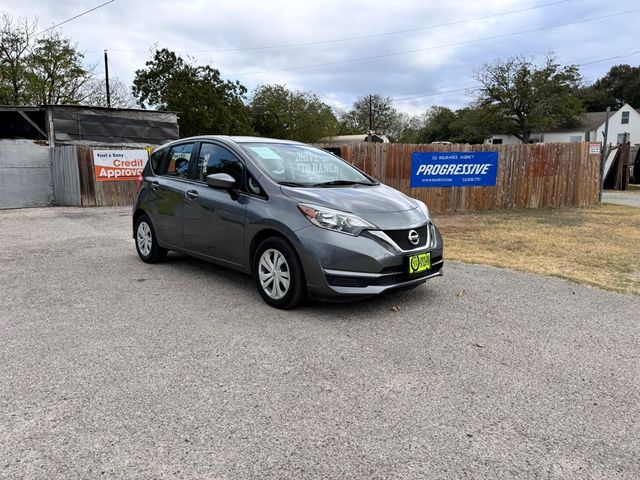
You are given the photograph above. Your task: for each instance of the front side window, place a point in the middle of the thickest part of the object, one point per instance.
(304, 165)
(176, 163)
(625, 117)
(216, 159)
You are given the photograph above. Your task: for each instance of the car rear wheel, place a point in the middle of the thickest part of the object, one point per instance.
(147, 243)
(278, 274)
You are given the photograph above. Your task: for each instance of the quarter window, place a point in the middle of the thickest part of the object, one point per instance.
(217, 159)
(156, 160)
(625, 117)
(176, 163)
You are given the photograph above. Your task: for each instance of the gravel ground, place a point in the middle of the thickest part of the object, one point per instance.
(111, 368)
(626, 197)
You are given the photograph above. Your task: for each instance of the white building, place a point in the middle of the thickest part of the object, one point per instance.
(589, 129)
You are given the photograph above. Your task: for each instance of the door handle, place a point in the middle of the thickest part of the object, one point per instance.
(191, 194)
(155, 186)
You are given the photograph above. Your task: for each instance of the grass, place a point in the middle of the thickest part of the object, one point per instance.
(598, 246)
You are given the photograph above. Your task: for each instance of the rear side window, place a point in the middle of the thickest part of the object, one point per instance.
(217, 159)
(175, 163)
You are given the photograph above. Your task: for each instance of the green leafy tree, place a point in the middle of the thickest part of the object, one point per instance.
(620, 85)
(438, 124)
(38, 69)
(474, 125)
(206, 104)
(385, 118)
(527, 98)
(56, 74)
(15, 42)
(412, 127)
(282, 113)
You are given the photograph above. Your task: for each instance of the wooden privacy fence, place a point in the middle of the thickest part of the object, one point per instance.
(75, 181)
(529, 176)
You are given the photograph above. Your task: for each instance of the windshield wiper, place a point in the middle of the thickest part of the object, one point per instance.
(341, 182)
(292, 184)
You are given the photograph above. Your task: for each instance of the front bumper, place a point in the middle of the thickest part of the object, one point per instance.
(342, 266)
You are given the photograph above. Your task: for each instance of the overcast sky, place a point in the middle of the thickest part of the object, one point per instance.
(340, 50)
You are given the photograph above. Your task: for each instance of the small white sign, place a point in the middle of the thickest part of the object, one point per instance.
(594, 149)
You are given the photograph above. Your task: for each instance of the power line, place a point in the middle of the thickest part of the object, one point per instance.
(434, 91)
(467, 42)
(364, 37)
(73, 18)
(609, 58)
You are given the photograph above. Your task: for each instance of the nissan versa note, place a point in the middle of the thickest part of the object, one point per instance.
(300, 220)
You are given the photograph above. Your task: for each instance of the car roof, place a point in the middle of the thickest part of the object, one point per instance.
(229, 139)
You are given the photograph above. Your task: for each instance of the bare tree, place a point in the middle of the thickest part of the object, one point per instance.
(15, 41)
(95, 93)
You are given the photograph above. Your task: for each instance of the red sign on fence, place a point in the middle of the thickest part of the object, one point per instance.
(113, 165)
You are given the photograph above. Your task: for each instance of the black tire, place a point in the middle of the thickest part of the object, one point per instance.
(147, 245)
(295, 293)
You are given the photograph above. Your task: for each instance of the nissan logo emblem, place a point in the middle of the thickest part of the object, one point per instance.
(414, 237)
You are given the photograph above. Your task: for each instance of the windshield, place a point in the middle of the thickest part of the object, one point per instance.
(305, 166)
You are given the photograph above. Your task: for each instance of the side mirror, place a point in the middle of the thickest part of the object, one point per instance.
(221, 180)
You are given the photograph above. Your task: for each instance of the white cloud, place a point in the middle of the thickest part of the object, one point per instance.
(129, 29)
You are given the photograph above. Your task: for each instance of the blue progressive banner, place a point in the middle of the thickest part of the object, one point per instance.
(454, 169)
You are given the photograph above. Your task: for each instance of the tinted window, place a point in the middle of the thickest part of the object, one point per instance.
(176, 163)
(156, 160)
(216, 159)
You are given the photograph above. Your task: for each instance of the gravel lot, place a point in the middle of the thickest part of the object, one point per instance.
(626, 197)
(111, 368)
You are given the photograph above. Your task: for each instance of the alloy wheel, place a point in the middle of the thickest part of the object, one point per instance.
(144, 238)
(274, 274)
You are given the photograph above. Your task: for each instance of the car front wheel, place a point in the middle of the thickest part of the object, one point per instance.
(278, 274)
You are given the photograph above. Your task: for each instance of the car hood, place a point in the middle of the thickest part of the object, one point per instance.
(358, 199)
(382, 206)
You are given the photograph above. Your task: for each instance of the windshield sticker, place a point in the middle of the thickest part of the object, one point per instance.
(266, 153)
(307, 162)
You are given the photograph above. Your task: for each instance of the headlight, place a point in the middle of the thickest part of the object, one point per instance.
(424, 208)
(334, 220)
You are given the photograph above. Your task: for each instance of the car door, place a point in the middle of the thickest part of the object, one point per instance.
(213, 219)
(166, 198)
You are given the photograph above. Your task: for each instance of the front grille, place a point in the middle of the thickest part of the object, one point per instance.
(401, 237)
(399, 272)
(339, 281)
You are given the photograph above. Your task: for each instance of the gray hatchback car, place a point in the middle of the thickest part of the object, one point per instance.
(300, 220)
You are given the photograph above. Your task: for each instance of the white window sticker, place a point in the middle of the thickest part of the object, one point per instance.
(266, 153)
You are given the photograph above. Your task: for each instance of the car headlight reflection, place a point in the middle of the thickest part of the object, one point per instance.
(335, 220)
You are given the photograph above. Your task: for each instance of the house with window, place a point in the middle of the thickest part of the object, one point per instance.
(590, 128)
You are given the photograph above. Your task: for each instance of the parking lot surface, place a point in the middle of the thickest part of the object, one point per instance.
(626, 197)
(111, 368)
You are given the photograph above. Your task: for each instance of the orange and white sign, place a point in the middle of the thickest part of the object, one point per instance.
(112, 165)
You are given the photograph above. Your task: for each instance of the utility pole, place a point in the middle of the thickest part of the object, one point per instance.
(370, 114)
(605, 152)
(106, 78)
